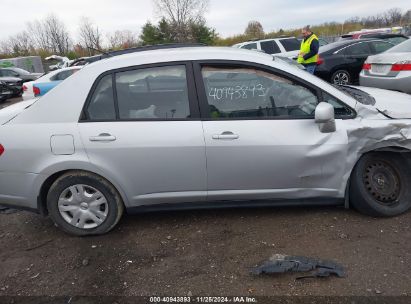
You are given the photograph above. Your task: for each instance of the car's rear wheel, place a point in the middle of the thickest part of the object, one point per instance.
(83, 203)
(380, 185)
(341, 77)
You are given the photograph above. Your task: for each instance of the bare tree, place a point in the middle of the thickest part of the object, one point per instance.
(393, 16)
(254, 30)
(57, 36)
(90, 35)
(180, 14)
(122, 39)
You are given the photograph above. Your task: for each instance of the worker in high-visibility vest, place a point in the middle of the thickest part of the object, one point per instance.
(308, 55)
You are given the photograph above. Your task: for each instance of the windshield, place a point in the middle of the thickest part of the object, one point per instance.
(403, 47)
(357, 94)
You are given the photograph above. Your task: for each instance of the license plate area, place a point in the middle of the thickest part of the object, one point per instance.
(382, 69)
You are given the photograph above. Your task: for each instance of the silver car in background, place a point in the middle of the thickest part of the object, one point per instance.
(389, 70)
(201, 127)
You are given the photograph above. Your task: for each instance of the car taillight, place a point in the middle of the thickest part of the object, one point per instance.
(1, 149)
(24, 88)
(366, 66)
(320, 60)
(401, 66)
(36, 91)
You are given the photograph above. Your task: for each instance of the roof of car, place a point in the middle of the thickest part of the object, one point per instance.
(262, 40)
(342, 43)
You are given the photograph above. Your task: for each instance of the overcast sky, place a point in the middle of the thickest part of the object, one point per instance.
(228, 17)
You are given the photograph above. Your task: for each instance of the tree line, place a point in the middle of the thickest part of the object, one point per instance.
(181, 21)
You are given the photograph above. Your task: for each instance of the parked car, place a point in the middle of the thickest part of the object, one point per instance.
(389, 70)
(61, 62)
(390, 37)
(19, 73)
(42, 85)
(14, 84)
(198, 128)
(5, 91)
(287, 46)
(341, 62)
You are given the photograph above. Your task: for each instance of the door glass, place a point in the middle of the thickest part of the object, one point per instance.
(340, 109)
(291, 44)
(101, 106)
(250, 93)
(270, 47)
(358, 49)
(153, 93)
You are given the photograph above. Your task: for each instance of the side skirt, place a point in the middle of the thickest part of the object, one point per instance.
(322, 201)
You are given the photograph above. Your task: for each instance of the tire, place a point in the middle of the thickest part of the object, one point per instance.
(341, 77)
(380, 185)
(82, 204)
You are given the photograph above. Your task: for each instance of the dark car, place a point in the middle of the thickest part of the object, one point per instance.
(5, 91)
(341, 62)
(14, 84)
(19, 73)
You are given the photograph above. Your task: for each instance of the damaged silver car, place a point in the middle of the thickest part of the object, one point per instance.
(200, 127)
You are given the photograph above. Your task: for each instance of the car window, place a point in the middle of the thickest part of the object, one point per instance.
(10, 73)
(270, 47)
(250, 93)
(291, 44)
(153, 93)
(358, 49)
(101, 106)
(250, 46)
(402, 47)
(340, 109)
(396, 40)
(63, 75)
(380, 46)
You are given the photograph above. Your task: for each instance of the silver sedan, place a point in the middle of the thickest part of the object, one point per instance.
(389, 70)
(202, 127)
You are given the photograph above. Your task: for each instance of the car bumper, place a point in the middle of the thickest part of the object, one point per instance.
(18, 190)
(402, 82)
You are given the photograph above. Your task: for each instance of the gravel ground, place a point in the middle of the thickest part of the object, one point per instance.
(206, 253)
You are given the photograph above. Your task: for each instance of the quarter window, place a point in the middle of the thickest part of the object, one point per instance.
(101, 106)
(250, 93)
(153, 93)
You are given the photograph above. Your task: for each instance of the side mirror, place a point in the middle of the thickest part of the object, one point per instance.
(324, 117)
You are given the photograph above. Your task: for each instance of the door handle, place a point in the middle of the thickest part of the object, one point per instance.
(104, 137)
(226, 136)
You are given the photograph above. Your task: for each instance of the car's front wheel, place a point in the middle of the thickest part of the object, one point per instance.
(380, 184)
(82, 203)
(341, 77)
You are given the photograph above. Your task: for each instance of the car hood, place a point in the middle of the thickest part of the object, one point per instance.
(8, 113)
(393, 104)
(389, 58)
(10, 79)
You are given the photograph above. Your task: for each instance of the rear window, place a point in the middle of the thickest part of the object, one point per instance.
(404, 47)
(250, 46)
(290, 44)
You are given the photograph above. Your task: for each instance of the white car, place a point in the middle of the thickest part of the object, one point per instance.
(202, 127)
(58, 76)
(286, 46)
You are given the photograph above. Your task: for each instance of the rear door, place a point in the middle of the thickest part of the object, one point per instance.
(355, 56)
(261, 138)
(141, 127)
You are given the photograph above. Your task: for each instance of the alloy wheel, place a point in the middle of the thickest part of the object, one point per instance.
(341, 78)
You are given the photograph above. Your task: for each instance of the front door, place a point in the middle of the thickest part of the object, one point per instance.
(141, 128)
(261, 138)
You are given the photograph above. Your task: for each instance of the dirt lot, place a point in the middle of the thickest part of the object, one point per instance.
(206, 253)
